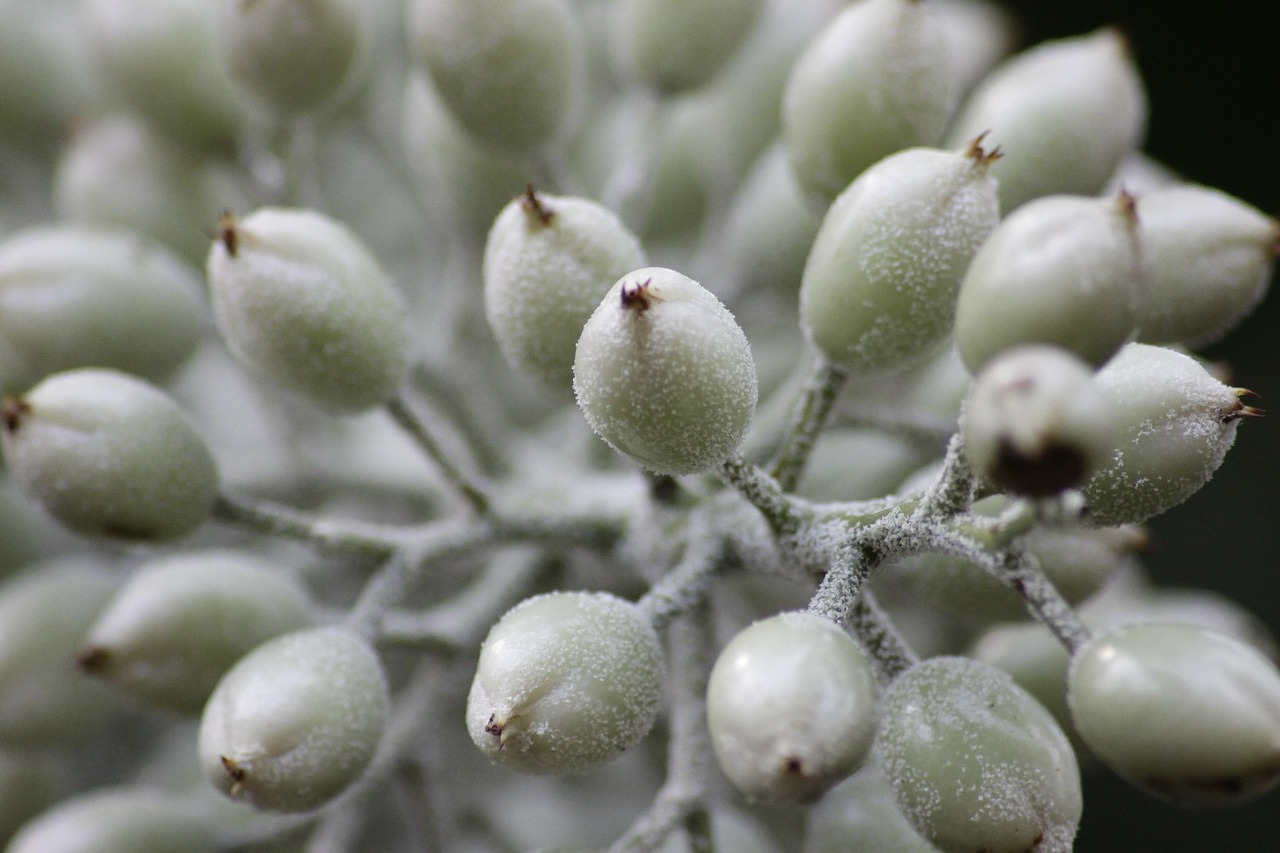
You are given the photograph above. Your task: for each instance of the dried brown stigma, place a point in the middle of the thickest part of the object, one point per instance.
(639, 296)
(535, 206)
(13, 409)
(229, 233)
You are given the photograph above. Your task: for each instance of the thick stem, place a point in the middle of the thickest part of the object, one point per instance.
(464, 484)
(764, 493)
(841, 585)
(807, 419)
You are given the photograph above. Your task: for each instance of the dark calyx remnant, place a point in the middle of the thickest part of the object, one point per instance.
(14, 408)
(536, 207)
(638, 296)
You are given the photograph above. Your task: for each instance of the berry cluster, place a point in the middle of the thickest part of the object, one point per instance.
(367, 437)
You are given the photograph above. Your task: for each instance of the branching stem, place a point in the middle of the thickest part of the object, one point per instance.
(807, 419)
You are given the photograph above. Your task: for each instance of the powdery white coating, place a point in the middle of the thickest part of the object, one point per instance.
(1035, 422)
(672, 386)
(1062, 270)
(543, 279)
(1176, 424)
(107, 454)
(880, 284)
(117, 820)
(1181, 710)
(860, 814)
(507, 69)
(74, 296)
(302, 302)
(1066, 113)
(1208, 258)
(674, 44)
(296, 721)
(291, 54)
(160, 58)
(565, 680)
(44, 701)
(975, 763)
(791, 707)
(875, 81)
(180, 622)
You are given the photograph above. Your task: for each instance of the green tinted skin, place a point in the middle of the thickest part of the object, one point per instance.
(674, 45)
(880, 283)
(975, 763)
(109, 455)
(299, 299)
(182, 621)
(565, 681)
(547, 263)
(506, 69)
(74, 295)
(116, 820)
(664, 374)
(1183, 711)
(296, 721)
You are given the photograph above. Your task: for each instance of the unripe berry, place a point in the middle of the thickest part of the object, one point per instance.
(44, 701)
(547, 263)
(117, 820)
(507, 69)
(565, 681)
(73, 296)
(1067, 112)
(880, 284)
(1176, 423)
(181, 622)
(298, 298)
(975, 763)
(1036, 423)
(664, 374)
(1207, 257)
(1063, 270)
(159, 57)
(291, 54)
(875, 81)
(860, 814)
(791, 707)
(673, 45)
(1185, 712)
(107, 454)
(296, 721)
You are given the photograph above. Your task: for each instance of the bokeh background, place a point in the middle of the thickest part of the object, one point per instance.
(1212, 72)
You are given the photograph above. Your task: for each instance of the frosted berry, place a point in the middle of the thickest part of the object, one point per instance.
(674, 45)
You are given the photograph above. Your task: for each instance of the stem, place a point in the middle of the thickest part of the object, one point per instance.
(682, 797)
(807, 419)
(685, 586)
(841, 585)
(327, 535)
(765, 494)
(877, 633)
(1044, 602)
(417, 429)
(954, 490)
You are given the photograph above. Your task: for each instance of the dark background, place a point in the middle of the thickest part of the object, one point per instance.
(1212, 72)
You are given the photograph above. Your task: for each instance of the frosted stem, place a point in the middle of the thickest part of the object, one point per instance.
(417, 429)
(807, 419)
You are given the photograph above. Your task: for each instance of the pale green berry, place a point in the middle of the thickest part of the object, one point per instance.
(180, 622)
(1185, 712)
(976, 764)
(296, 721)
(293, 55)
(860, 814)
(791, 707)
(1066, 112)
(880, 283)
(1176, 423)
(117, 820)
(120, 172)
(673, 44)
(44, 81)
(1036, 423)
(565, 681)
(874, 81)
(547, 263)
(664, 374)
(507, 69)
(1208, 258)
(978, 35)
(1063, 270)
(159, 58)
(28, 785)
(73, 295)
(107, 454)
(44, 701)
(298, 298)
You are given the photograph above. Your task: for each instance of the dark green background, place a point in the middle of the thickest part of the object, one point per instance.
(1212, 72)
